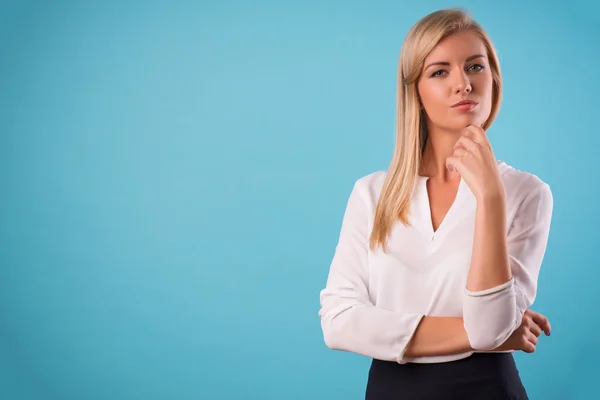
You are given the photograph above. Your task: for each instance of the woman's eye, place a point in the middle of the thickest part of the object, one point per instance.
(474, 67)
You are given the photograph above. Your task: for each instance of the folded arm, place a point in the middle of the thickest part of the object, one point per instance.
(502, 280)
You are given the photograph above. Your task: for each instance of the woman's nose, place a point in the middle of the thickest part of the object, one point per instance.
(462, 84)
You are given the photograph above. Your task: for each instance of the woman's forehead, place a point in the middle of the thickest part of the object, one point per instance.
(457, 47)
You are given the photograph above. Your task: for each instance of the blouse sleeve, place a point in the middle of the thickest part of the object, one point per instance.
(350, 322)
(492, 315)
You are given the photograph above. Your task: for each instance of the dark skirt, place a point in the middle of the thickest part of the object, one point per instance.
(482, 376)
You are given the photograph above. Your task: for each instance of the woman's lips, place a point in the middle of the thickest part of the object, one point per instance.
(465, 106)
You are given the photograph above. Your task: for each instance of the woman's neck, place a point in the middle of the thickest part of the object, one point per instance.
(438, 147)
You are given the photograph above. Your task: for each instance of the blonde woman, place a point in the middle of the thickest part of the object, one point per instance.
(438, 257)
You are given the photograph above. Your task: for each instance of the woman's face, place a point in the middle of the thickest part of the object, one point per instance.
(457, 69)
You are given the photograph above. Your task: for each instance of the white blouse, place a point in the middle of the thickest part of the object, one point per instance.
(373, 302)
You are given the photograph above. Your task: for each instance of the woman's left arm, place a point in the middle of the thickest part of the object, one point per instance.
(504, 269)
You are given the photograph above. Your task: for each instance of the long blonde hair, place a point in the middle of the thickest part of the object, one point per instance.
(411, 132)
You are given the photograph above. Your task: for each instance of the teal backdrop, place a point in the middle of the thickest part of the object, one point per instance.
(174, 176)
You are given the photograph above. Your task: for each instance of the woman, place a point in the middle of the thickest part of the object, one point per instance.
(438, 257)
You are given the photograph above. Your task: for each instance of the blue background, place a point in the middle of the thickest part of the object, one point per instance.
(174, 176)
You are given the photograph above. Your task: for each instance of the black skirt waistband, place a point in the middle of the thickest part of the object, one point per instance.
(481, 376)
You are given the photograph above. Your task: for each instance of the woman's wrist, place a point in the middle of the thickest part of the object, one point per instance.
(492, 198)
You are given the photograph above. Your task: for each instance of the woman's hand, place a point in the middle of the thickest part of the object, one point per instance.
(526, 336)
(474, 160)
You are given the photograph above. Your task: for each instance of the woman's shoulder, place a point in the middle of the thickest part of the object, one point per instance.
(374, 178)
(372, 182)
(519, 183)
(370, 185)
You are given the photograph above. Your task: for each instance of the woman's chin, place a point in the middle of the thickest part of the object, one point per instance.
(466, 120)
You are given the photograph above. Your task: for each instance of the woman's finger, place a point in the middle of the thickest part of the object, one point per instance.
(454, 165)
(476, 133)
(532, 338)
(541, 321)
(460, 152)
(467, 143)
(535, 329)
(529, 346)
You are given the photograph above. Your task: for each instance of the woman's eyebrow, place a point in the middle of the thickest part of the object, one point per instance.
(447, 63)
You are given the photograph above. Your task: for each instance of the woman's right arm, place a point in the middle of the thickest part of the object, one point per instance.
(350, 322)
(439, 336)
